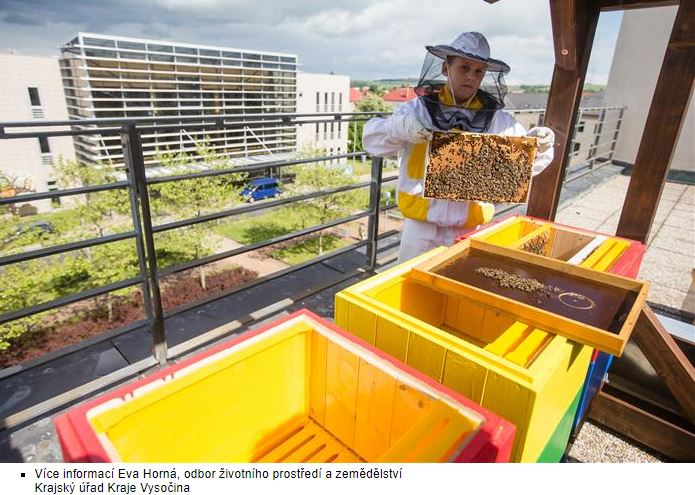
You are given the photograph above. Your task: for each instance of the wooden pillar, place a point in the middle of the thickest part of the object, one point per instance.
(666, 114)
(574, 25)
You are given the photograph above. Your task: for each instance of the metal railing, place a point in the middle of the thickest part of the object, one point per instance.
(138, 187)
(149, 275)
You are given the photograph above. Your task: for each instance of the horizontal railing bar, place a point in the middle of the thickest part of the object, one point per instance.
(65, 300)
(177, 118)
(255, 207)
(66, 351)
(274, 275)
(59, 193)
(266, 278)
(64, 248)
(230, 327)
(76, 394)
(249, 168)
(227, 126)
(26, 135)
(252, 247)
(588, 171)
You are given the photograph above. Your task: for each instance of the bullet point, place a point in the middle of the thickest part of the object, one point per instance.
(22, 475)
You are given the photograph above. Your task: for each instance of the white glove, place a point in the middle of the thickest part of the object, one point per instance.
(545, 138)
(410, 129)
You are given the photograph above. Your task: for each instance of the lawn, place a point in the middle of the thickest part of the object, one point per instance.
(308, 249)
(253, 229)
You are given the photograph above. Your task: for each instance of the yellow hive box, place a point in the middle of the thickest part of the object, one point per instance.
(575, 246)
(526, 375)
(591, 307)
(299, 390)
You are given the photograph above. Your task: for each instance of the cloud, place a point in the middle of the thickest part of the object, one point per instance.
(360, 38)
(22, 20)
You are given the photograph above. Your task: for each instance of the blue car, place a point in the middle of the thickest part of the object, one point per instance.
(261, 189)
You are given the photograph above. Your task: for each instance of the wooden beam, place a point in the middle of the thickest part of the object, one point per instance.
(574, 26)
(666, 114)
(644, 427)
(667, 359)
(611, 5)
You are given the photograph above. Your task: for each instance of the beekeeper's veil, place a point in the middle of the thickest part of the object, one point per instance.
(435, 92)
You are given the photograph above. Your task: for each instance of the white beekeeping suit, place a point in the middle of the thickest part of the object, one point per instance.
(434, 222)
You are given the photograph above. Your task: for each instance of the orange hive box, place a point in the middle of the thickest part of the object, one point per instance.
(479, 167)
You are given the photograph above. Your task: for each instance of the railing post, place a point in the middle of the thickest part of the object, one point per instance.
(598, 131)
(616, 133)
(374, 206)
(144, 240)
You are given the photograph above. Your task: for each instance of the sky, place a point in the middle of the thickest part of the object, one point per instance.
(365, 39)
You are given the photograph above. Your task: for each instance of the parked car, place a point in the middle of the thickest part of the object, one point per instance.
(261, 189)
(40, 228)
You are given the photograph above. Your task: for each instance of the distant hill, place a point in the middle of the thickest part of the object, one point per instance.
(385, 83)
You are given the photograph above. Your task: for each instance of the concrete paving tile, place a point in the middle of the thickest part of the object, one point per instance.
(672, 193)
(667, 268)
(689, 197)
(683, 206)
(675, 187)
(584, 210)
(674, 239)
(681, 219)
(668, 296)
(574, 219)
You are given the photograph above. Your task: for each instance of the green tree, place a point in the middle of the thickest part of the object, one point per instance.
(194, 198)
(98, 210)
(317, 176)
(370, 103)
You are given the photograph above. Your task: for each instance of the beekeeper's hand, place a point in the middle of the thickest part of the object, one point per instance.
(411, 130)
(545, 138)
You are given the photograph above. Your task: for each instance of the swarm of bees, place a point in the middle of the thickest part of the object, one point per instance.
(510, 280)
(479, 167)
(538, 244)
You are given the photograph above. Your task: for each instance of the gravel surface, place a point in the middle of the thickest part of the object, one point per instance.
(595, 444)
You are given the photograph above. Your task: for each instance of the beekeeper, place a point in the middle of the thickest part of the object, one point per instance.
(460, 87)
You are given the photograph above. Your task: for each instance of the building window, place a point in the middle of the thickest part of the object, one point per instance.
(575, 147)
(332, 102)
(325, 102)
(318, 102)
(43, 143)
(317, 131)
(340, 104)
(580, 126)
(34, 97)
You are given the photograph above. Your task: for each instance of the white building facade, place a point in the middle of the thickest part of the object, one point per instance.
(31, 89)
(639, 53)
(117, 77)
(323, 93)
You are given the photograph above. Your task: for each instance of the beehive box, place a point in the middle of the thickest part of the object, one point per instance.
(462, 166)
(531, 377)
(575, 246)
(587, 306)
(298, 390)
(581, 247)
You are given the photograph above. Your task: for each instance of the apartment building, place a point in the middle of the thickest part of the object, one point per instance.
(31, 89)
(323, 93)
(117, 77)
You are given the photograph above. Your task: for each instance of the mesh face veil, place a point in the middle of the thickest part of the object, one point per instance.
(435, 89)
